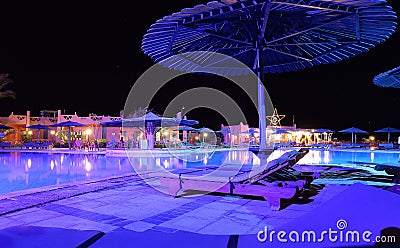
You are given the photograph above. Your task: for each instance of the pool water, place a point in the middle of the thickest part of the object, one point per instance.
(20, 171)
(315, 157)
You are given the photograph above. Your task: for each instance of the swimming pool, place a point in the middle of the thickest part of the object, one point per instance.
(21, 171)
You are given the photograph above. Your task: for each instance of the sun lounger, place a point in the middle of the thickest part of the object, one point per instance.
(386, 146)
(30, 145)
(45, 145)
(248, 181)
(184, 145)
(354, 145)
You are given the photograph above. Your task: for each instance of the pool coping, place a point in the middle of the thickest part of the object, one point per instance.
(24, 199)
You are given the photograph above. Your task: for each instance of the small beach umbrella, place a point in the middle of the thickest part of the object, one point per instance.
(39, 127)
(116, 123)
(388, 130)
(322, 130)
(205, 130)
(353, 131)
(69, 124)
(150, 124)
(187, 128)
(5, 127)
(224, 131)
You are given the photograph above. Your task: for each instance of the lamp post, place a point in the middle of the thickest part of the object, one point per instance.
(182, 114)
(88, 133)
(30, 135)
(205, 135)
(52, 133)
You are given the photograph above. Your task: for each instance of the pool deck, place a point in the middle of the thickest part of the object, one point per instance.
(128, 204)
(91, 213)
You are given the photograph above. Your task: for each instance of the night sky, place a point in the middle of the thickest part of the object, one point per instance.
(84, 57)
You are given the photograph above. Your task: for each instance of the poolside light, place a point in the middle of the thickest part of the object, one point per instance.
(30, 132)
(88, 131)
(371, 138)
(52, 132)
(88, 166)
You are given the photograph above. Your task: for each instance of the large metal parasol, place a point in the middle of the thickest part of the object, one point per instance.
(39, 127)
(389, 79)
(388, 130)
(269, 36)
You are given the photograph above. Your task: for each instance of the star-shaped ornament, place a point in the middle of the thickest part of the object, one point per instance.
(275, 119)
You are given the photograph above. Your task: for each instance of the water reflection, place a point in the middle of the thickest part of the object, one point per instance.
(347, 157)
(19, 171)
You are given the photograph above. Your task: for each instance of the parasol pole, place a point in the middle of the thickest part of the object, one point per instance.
(69, 137)
(261, 103)
(261, 76)
(388, 137)
(150, 132)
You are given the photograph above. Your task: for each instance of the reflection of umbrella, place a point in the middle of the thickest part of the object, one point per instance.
(353, 130)
(389, 79)
(69, 124)
(388, 130)
(268, 36)
(5, 127)
(39, 127)
(150, 122)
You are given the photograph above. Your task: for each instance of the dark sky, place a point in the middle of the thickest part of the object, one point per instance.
(84, 57)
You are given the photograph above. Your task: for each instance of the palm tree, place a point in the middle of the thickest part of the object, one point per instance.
(4, 81)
